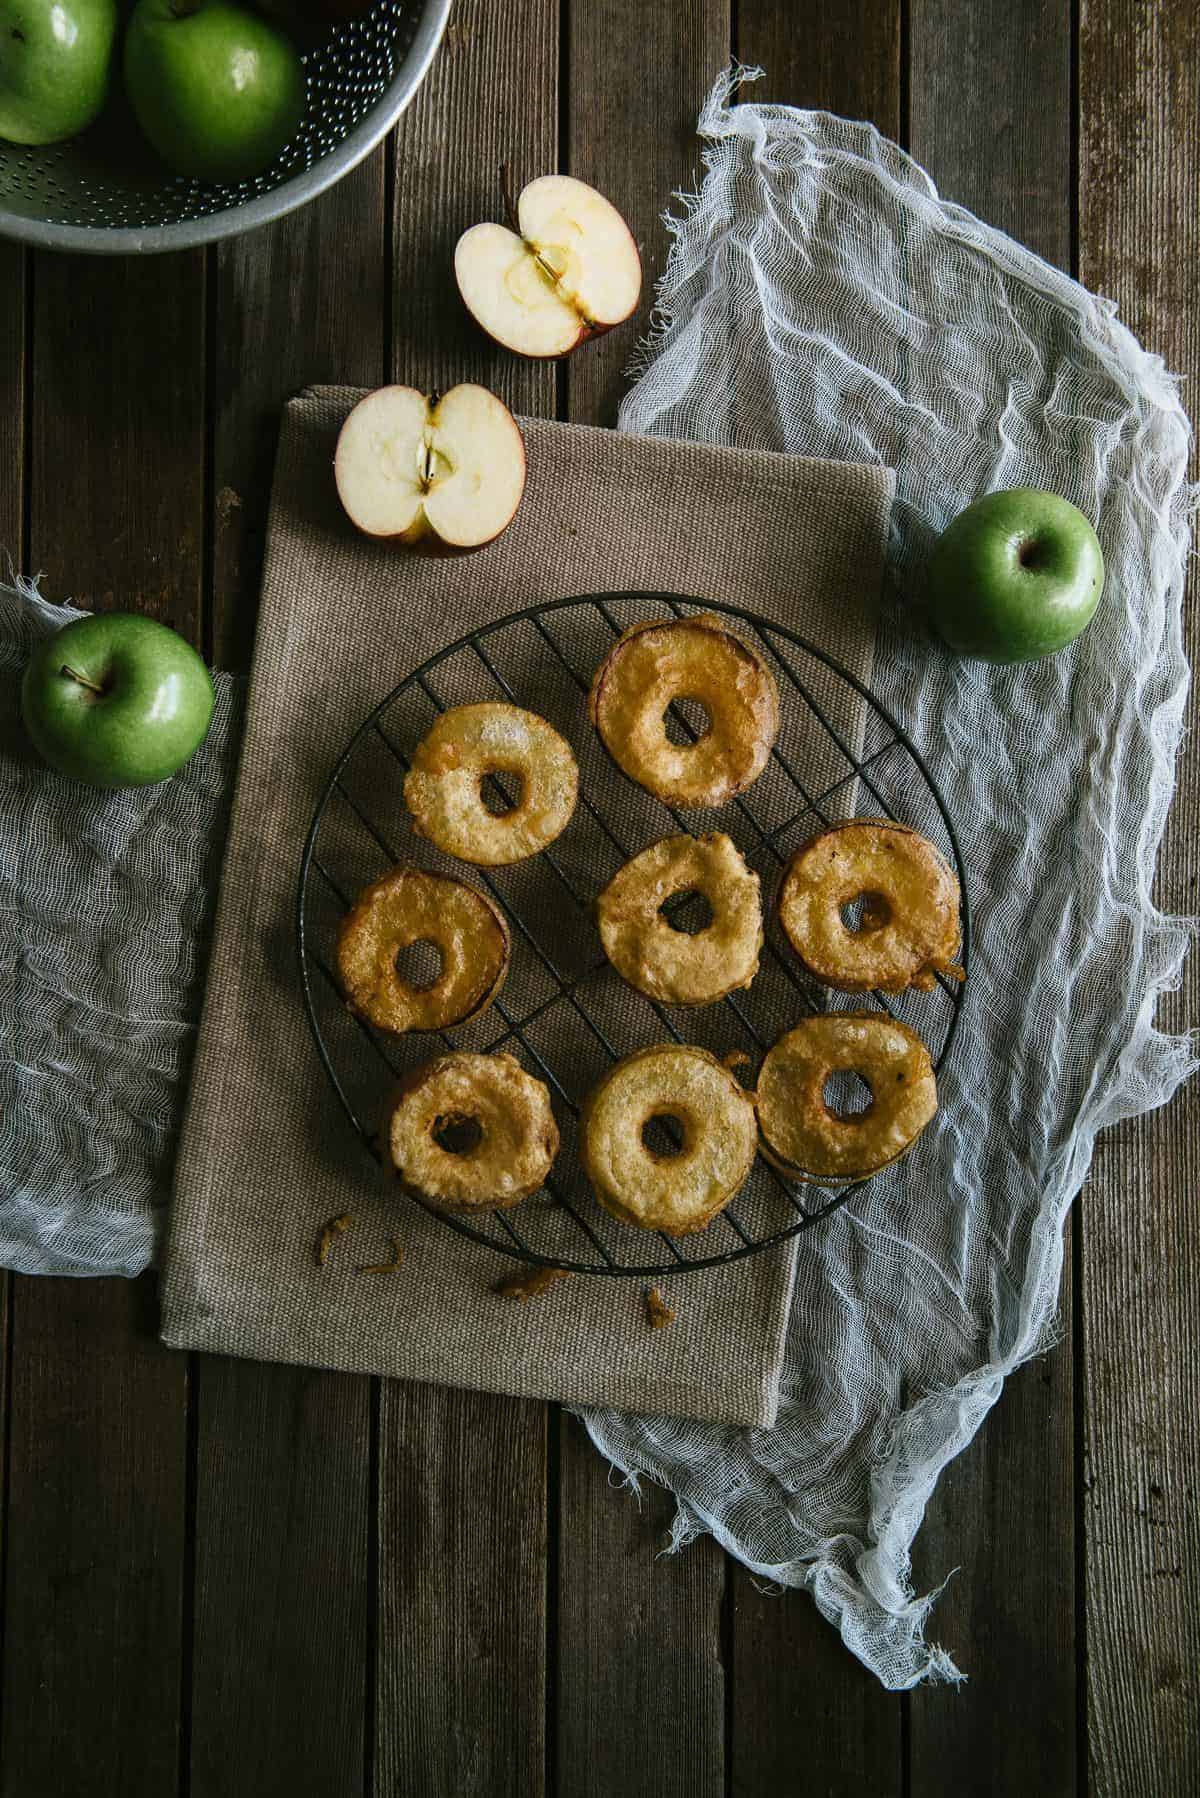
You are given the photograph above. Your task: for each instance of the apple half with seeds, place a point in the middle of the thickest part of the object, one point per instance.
(443, 472)
(568, 270)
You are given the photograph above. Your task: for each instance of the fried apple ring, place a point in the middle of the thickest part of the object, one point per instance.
(678, 1193)
(407, 906)
(909, 930)
(670, 964)
(472, 1132)
(803, 1137)
(444, 786)
(655, 665)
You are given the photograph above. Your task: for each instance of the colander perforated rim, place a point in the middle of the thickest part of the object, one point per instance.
(261, 209)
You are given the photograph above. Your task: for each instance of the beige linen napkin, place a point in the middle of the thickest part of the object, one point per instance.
(267, 1155)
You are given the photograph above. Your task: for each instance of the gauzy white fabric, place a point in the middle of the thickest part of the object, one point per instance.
(104, 900)
(820, 297)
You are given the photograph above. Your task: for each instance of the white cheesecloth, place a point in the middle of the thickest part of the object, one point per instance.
(821, 298)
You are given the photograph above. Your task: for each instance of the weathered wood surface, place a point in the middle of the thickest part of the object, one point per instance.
(222, 1578)
(1139, 242)
(14, 391)
(96, 1543)
(642, 1664)
(96, 1517)
(282, 1463)
(996, 134)
(460, 1691)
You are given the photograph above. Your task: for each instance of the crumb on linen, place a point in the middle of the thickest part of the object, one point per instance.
(329, 1233)
(532, 1284)
(657, 1309)
(385, 1267)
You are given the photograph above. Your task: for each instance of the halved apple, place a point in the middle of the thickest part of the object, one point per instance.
(568, 271)
(446, 471)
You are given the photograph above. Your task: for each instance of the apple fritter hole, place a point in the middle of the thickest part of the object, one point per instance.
(686, 721)
(689, 912)
(457, 1133)
(419, 965)
(846, 1095)
(501, 793)
(664, 1135)
(865, 912)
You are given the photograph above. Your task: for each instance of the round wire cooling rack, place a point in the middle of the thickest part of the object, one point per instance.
(564, 1011)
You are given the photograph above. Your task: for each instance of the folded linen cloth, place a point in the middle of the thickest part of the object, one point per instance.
(266, 1154)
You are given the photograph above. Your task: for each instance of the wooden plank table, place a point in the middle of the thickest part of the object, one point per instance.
(227, 1579)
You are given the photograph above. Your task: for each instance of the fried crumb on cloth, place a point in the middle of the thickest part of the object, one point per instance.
(532, 1284)
(658, 1311)
(329, 1233)
(391, 1266)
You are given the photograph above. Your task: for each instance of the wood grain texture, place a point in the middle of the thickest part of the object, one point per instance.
(461, 1688)
(1139, 173)
(804, 1715)
(641, 1684)
(95, 1545)
(116, 457)
(279, 1671)
(491, 99)
(807, 1718)
(990, 113)
(13, 264)
(96, 1512)
(283, 1473)
(1001, 1526)
(300, 302)
(640, 154)
(994, 131)
(843, 57)
(641, 1679)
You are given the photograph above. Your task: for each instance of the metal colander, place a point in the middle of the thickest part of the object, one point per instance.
(105, 191)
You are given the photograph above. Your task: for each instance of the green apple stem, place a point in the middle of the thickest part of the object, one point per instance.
(82, 679)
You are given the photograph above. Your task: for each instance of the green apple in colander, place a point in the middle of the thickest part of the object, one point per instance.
(218, 91)
(55, 59)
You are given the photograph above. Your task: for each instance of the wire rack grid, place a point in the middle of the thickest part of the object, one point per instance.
(563, 1009)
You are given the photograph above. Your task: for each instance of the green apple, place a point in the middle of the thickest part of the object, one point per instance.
(55, 57)
(116, 700)
(1014, 577)
(217, 91)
